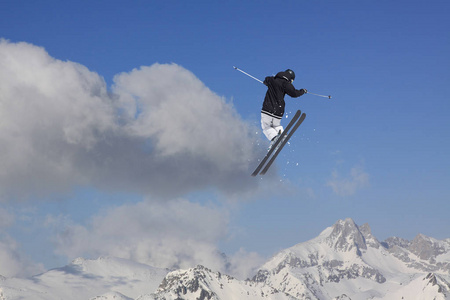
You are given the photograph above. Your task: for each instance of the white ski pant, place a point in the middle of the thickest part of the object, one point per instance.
(270, 126)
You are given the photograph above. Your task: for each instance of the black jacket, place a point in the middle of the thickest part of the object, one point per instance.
(277, 87)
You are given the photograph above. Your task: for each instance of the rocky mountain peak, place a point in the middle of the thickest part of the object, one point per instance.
(346, 256)
(201, 283)
(188, 281)
(396, 241)
(346, 236)
(428, 248)
(370, 240)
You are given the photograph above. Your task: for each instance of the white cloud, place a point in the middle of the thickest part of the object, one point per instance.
(158, 131)
(174, 234)
(348, 186)
(244, 264)
(13, 262)
(161, 130)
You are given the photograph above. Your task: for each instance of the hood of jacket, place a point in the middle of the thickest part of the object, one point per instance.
(284, 75)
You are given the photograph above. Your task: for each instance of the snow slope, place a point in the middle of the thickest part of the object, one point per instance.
(85, 279)
(422, 287)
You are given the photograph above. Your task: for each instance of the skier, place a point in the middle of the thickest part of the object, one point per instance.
(273, 106)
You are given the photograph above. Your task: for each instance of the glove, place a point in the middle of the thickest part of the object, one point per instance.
(304, 91)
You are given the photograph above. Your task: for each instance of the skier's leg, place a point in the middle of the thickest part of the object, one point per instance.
(276, 124)
(271, 126)
(266, 125)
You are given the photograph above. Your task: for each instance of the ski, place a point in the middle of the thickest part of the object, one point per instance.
(275, 145)
(283, 143)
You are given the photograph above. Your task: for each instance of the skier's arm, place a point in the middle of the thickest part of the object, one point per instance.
(267, 79)
(291, 91)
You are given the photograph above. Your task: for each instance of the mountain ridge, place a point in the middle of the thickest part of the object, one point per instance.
(348, 255)
(344, 262)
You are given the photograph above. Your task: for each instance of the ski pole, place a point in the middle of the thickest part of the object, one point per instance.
(329, 97)
(247, 74)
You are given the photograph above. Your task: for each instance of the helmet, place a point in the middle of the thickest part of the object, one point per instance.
(291, 74)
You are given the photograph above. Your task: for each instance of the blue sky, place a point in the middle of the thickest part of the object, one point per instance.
(376, 152)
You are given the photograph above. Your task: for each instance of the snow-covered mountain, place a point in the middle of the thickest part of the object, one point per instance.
(85, 279)
(347, 262)
(344, 262)
(201, 283)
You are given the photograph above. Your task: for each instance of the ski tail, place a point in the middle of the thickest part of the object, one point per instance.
(278, 141)
(285, 141)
